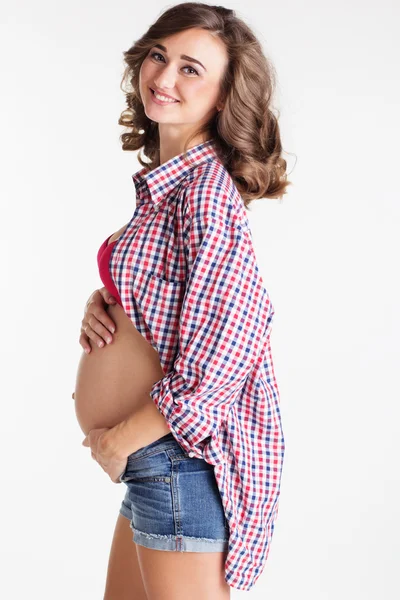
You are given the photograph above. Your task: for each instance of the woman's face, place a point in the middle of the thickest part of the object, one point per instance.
(195, 86)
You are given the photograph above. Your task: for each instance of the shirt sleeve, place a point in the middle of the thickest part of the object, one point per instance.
(224, 317)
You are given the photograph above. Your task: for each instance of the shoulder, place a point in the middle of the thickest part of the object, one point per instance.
(210, 193)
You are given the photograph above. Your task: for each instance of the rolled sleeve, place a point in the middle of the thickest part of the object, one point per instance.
(224, 316)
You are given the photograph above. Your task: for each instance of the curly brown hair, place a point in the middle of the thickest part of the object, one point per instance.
(245, 133)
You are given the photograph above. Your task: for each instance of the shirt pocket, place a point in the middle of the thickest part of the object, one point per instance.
(160, 302)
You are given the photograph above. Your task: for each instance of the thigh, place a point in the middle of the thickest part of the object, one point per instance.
(178, 522)
(181, 575)
(124, 579)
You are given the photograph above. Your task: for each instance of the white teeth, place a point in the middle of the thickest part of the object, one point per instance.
(163, 98)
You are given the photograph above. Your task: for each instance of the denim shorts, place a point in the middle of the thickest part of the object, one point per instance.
(172, 500)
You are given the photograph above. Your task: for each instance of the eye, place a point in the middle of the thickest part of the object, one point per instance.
(154, 54)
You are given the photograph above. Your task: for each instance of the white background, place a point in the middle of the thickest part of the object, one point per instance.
(328, 253)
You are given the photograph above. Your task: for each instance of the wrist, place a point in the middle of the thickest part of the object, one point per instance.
(137, 430)
(112, 441)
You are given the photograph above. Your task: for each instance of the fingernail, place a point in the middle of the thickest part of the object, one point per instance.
(112, 329)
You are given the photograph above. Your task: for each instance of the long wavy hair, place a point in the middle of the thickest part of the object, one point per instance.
(245, 133)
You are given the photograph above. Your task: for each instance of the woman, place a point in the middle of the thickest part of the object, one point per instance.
(183, 406)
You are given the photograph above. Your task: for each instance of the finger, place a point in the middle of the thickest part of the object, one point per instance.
(95, 338)
(100, 322)
(85, 342)
(96, 307)
(109, 298)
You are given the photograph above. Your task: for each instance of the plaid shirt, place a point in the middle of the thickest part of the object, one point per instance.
(187, 275)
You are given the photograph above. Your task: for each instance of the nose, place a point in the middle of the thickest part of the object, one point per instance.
(166, 78)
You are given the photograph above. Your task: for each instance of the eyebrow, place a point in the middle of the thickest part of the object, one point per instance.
(184, 56)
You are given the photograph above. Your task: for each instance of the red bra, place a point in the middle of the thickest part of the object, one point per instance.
(103, 261)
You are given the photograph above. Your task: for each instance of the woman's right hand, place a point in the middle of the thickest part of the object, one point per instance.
(96, 324)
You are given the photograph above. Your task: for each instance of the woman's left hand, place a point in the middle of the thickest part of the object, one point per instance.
(103, 453)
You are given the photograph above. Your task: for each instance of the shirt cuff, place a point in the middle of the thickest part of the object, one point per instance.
(190, 429)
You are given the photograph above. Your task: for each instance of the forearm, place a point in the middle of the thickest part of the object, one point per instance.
(141, 428)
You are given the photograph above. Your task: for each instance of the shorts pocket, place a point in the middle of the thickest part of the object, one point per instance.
(152, 465)
(152, 446)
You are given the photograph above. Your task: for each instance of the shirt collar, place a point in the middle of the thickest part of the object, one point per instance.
(161, 180)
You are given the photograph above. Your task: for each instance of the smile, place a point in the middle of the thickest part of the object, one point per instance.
(160, 99)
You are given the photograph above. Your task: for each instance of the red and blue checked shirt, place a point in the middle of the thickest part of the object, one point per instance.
(187, 275)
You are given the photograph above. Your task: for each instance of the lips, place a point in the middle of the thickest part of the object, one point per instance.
(166, 95)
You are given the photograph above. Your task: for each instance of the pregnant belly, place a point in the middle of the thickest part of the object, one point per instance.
(115, 380)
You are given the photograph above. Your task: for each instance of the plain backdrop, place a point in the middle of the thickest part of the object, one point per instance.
(328, 253)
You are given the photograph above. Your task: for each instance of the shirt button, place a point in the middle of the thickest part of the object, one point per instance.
(191, 454)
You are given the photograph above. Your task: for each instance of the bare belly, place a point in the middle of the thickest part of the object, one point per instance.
(115, 380)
